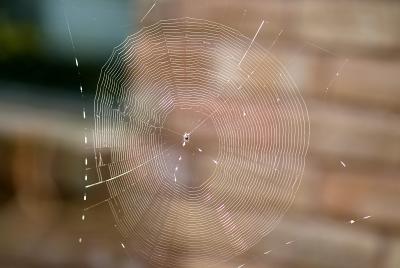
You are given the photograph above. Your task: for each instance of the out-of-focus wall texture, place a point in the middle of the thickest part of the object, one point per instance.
(355, 121)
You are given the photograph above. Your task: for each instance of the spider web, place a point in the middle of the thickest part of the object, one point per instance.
(200, 138)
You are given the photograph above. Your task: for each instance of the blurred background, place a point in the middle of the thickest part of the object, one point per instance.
(353, 165)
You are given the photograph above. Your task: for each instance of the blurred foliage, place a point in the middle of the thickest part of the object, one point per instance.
(17, 39)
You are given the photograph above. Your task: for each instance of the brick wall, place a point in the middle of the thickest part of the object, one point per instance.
(355, 121)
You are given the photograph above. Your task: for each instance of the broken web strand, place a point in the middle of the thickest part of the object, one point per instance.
(330, 53)
(85, 133)
(336, 75)
(269, 251)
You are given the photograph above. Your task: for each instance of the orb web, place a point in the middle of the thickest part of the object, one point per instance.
(205, 147)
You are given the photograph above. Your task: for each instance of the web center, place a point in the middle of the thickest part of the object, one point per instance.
(190, 145)
(186, 138)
